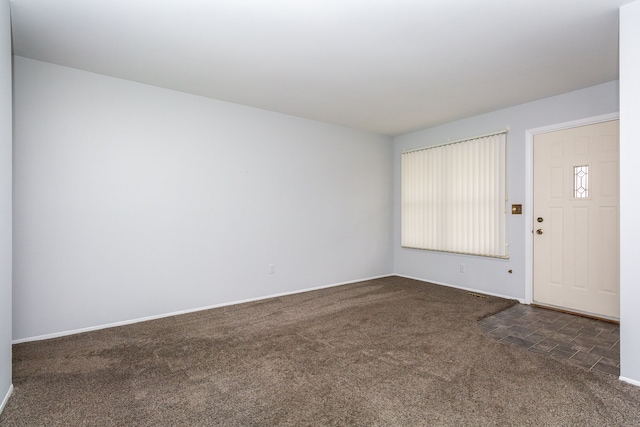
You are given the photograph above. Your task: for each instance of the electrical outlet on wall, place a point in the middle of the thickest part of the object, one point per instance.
(272, 269)
(463, 268)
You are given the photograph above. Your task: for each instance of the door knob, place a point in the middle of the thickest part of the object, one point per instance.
(539, 231)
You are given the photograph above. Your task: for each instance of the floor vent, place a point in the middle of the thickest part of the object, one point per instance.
(477, 295)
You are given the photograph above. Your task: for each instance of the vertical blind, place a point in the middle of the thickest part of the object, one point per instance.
(454, 197)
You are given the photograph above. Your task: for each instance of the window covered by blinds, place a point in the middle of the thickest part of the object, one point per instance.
(454, 197)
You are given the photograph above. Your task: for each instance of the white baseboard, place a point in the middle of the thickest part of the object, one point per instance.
(477, 291)
(191, 310)
(6, 398)
(630, 381)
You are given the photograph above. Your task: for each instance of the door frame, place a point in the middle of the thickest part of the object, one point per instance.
(528, 189)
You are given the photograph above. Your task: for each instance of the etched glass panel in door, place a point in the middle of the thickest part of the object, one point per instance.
(581, 182)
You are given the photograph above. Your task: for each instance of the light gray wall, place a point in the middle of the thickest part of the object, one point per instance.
(5, 201)
(629, 200)
(134, 201)
(487, 274)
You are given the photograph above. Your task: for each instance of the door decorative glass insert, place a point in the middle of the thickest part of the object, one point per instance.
(581, 182)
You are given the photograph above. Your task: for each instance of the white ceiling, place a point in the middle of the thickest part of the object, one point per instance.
(384, 66)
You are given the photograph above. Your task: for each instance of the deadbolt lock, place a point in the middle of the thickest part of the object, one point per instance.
(540, 219)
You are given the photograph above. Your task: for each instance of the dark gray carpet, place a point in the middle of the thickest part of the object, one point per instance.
(392, 352)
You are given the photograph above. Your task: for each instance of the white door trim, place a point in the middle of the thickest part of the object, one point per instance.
(528, 189)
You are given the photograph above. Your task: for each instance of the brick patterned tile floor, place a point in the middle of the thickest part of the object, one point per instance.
(588, 343)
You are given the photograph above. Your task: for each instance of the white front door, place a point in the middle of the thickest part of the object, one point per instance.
(576, 219)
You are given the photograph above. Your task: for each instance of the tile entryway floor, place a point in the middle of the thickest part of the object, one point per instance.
(589, 343)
